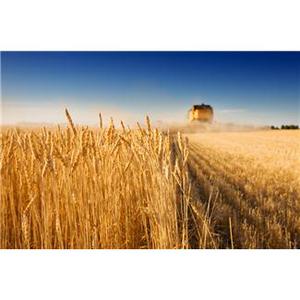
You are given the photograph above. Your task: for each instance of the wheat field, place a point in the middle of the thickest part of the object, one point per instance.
(88, 188)
(114, 187)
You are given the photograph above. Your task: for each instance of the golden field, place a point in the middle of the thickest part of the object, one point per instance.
(97, 188)
(115, 187)
(251, 181)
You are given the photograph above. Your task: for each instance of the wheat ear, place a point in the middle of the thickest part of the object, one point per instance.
(70, 122)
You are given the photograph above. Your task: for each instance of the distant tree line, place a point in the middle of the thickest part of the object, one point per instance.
(285, 127)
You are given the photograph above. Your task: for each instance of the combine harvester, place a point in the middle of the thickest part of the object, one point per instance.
(200, 117)
(201, 113)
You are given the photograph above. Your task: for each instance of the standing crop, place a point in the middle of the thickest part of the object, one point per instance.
(81, 187)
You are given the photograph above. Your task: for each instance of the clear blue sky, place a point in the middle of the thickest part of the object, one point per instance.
(243, 87)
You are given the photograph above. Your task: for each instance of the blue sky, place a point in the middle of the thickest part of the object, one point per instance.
(243, 87)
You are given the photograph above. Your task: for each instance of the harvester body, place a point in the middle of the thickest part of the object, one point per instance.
(201, 113)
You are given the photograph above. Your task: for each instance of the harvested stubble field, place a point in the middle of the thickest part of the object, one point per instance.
(91, 188)
(250, 182)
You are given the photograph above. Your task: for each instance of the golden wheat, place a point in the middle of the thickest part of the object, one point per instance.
(97, 188)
